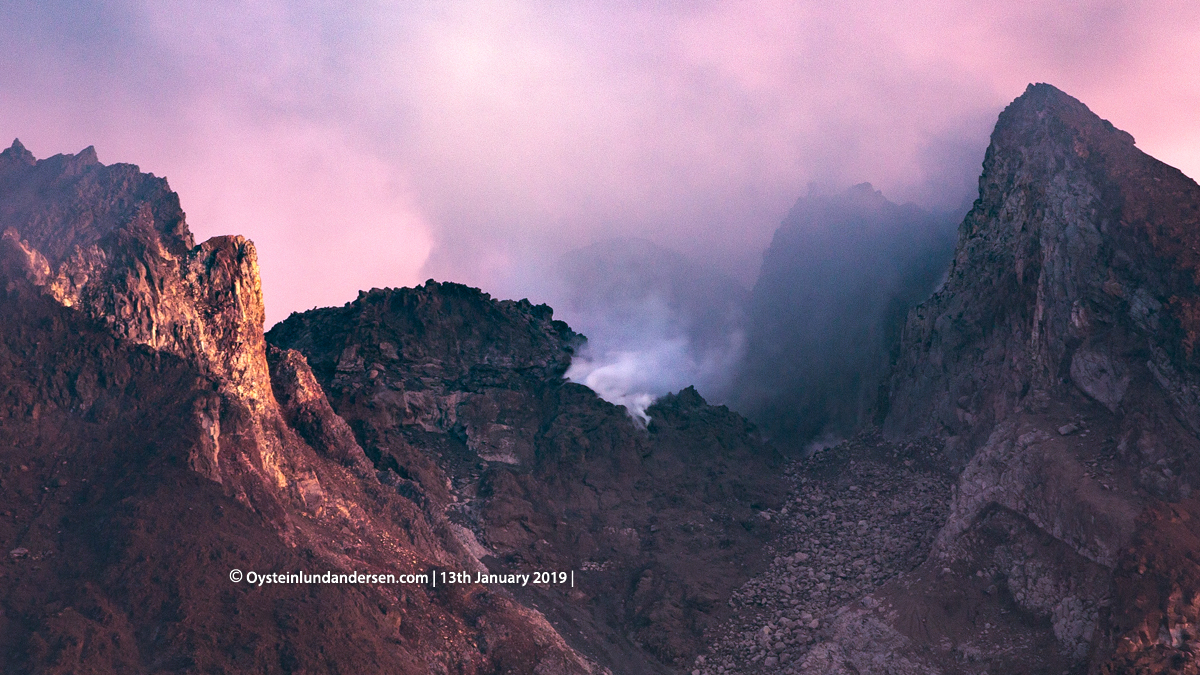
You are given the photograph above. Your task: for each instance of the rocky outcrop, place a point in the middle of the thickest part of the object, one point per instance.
(153, 443)
(460, 402)
(112, 243)
(1075, 269)
(1155, 611)
(1058, 363)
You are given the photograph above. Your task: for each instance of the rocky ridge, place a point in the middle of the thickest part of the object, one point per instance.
(1056, 368)
(459, 401)
(154, 443)
(1028, 508)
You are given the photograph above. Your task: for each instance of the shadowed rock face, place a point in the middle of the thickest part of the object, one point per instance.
(152, 442)
(1077, 266)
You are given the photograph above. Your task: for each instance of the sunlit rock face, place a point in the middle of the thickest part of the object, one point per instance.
(135, 381)
(111, 242)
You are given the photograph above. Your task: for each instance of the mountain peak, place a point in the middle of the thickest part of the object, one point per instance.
(1046, 96)
(87, 156)
(1075, 230)
(1046, 113)
(1072, 306)
(18, 153)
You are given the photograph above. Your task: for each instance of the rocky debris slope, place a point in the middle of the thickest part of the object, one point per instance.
(825, 314)
(853, 587)
(1058, 362)
(151, 443)
(459, 401)
(859, 515)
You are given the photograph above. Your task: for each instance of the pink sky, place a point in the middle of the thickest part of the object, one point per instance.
(362, 144)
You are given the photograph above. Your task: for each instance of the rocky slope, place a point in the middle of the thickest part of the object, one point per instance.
(152, 442)
(1056, 370)
(459, 401)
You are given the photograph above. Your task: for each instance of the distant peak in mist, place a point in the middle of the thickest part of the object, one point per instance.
(842, 271)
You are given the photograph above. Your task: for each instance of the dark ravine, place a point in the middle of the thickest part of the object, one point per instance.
(1026, 505)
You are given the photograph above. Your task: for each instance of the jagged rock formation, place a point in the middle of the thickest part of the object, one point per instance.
(459, 401)
(825, 315)
(1058, 363)
(1076, 265)
(152, 443)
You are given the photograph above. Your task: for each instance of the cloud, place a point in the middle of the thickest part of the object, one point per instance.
(371, 144)
(655, 321)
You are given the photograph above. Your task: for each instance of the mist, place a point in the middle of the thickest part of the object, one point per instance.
(841, 274)
(656, 322)
(370, 145)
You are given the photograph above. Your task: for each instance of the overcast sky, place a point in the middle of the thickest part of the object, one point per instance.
(366, 144)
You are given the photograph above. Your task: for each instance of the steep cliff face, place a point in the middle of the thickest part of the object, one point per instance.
(1058, 362)
(1077, 267)
(112, 243)
(153, 442)
(460, 402)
